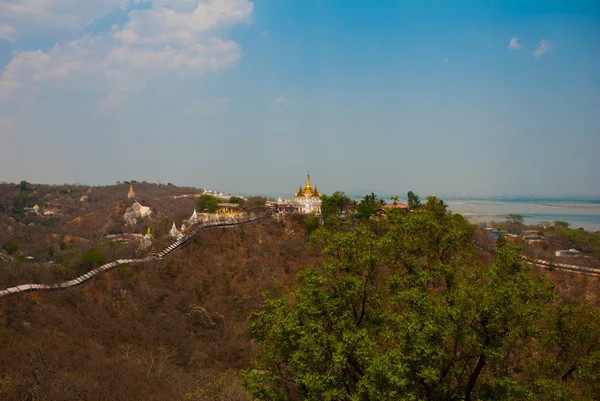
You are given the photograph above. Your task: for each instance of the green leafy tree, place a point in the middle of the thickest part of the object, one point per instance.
(333, 206)
(11, 247)
(561, 224)
(413, 200)
(23, 186)
(92, 257)
(368, 206)
(311, 223)
(401, 310)
(207, 203)
(515, 219)
(436, 206)
(568, 366)
(236, 199)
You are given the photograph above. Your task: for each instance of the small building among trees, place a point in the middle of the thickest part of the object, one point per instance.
(227, 208)
(568, 253)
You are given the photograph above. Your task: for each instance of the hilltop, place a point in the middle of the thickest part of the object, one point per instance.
(50, 243)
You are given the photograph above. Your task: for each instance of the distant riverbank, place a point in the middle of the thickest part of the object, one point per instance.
(581, 212)
(584, 214)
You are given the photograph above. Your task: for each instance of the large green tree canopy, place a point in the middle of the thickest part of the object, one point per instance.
(207, 203)
(336, 203)
(401, 307)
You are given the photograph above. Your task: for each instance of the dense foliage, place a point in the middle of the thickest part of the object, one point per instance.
(368, 206)
(207, 203)
(400, 308)
(413, 200)
(335, 204)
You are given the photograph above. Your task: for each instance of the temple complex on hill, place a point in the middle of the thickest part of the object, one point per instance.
(306, 200)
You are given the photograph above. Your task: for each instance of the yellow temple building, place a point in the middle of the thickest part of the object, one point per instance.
(308, 192)
(131, 194)
(306, 200)
(229, 208)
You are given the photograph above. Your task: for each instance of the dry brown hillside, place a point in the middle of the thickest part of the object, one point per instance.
(50, 245)
(153, 331)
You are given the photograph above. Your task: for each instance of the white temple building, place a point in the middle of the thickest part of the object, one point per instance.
(306, 200)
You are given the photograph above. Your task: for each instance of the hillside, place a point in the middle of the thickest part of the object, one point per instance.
(177, 327)
(151, 332)
(51, 245)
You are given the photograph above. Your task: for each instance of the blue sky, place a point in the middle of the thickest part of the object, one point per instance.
(440, 97)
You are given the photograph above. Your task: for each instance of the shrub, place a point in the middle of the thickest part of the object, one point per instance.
(92, 257)
(125, 271)
(10, 247)
(311, 223)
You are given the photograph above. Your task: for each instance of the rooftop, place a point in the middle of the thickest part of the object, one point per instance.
(396, 206)
(228, 205)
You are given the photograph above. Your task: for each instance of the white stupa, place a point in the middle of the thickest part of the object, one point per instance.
(194, 218)
(175, 233)
(146, 240)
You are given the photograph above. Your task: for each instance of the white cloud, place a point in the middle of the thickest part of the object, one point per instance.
(162, 25)
(6, 87)
(6, 32)
(155, 43)
(514, 44)
(544, 47)
(280, 100)
(22, 15)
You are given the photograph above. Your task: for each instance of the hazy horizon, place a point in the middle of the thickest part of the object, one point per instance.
(353, 193)
(247, 96)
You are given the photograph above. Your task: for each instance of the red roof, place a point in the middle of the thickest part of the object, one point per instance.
(396, 206)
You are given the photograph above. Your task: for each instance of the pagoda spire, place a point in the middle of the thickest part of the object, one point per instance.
(307, 186)
(131, 194)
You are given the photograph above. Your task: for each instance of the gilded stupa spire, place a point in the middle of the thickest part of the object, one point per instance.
(149, 232)
(131, 194)
(307, 186)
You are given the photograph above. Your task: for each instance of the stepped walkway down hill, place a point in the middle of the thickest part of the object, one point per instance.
(226, 222)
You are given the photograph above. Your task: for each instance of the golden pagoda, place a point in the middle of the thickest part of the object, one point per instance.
(149, 232)
(307, 199)
(308, 192)
(131, 194)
